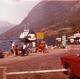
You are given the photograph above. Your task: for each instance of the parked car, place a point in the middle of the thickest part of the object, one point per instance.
(72, 64)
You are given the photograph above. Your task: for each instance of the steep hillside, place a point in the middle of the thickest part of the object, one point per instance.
(49, 12)
(58, 15)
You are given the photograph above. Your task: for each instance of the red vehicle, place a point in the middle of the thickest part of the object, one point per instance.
(72, 64)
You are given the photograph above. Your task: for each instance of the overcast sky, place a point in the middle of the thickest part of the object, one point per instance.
(14, 11)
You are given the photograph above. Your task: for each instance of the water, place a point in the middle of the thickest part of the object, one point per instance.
(5, 45)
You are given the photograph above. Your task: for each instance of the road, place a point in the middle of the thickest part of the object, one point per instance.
(33, 62)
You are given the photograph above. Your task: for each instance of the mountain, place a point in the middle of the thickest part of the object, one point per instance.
(51, 17)
(5, 26)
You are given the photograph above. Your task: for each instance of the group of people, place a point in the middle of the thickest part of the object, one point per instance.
(36, 47)
(18, 50)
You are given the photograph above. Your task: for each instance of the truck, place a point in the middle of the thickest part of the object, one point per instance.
(72, 64)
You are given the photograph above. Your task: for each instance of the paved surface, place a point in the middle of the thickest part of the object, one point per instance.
(35, 61)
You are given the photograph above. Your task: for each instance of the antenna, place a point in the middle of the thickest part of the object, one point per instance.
(27, 25)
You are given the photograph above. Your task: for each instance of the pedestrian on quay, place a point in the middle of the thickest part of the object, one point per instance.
(14, 48)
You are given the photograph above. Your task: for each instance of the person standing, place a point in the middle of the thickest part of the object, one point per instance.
(26, 49)
(13, 47)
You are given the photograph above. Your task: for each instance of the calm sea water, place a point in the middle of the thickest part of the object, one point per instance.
(5, 45)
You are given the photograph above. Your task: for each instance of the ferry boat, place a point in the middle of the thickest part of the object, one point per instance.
(27, 36)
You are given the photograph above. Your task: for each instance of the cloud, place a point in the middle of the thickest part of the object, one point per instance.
(30, 0)
(3, 1)
(9, 1)
(16, 0)
(15, 11)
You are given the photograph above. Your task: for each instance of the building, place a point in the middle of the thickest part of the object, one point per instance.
(74, 39)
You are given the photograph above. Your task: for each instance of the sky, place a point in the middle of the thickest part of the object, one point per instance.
(14, 11)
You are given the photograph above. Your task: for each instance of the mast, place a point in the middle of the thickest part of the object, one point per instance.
(26, 27)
